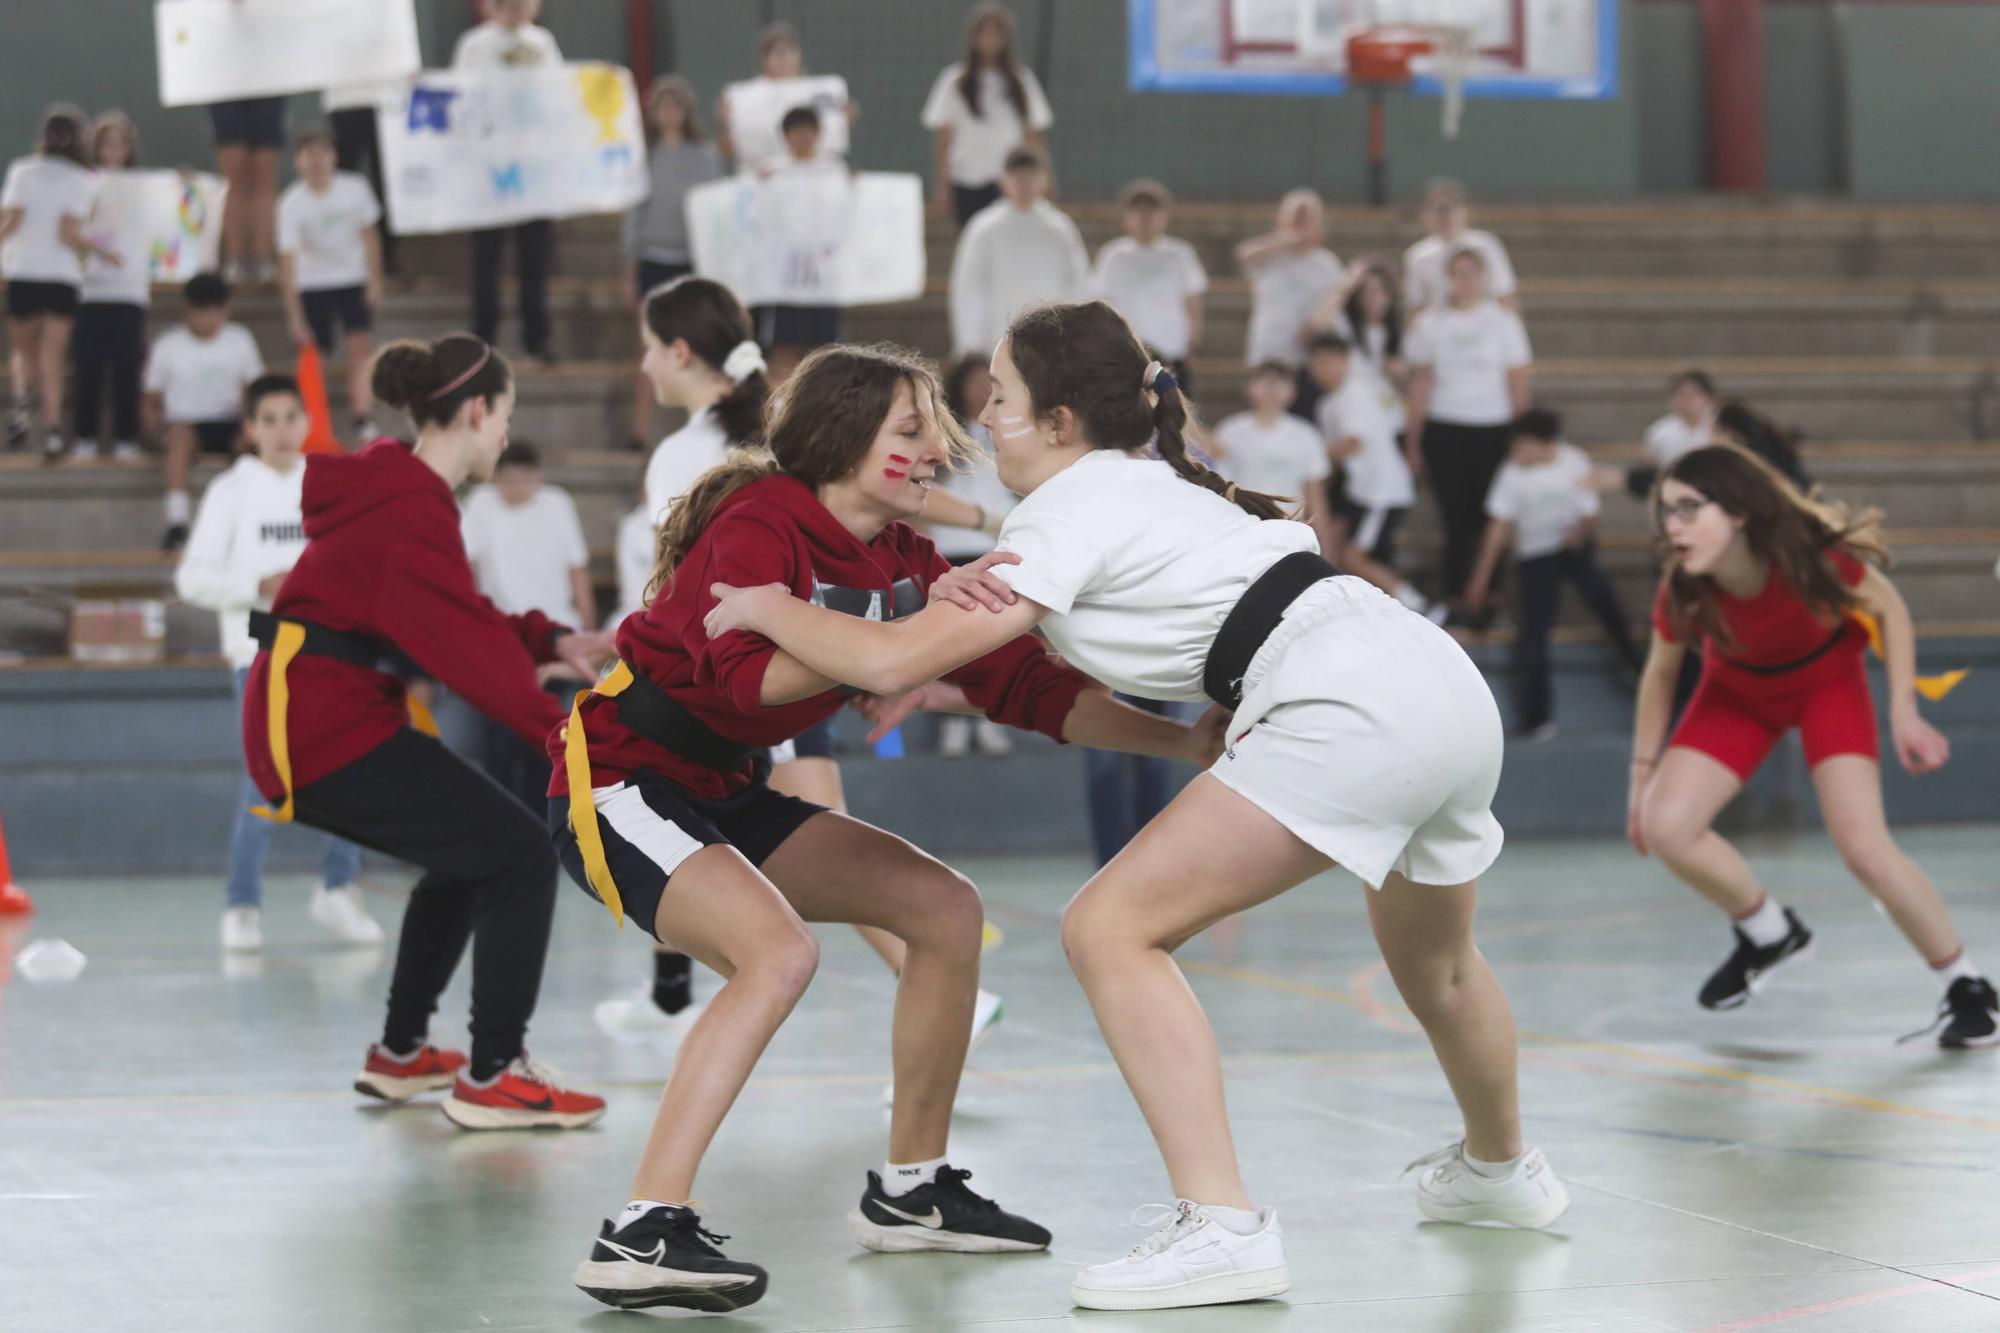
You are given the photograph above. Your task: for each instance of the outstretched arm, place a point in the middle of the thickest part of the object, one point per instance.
(1921, 747)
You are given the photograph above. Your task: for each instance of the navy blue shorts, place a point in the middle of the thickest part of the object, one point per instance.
(802, 326)
(254, 122)
(336, 308)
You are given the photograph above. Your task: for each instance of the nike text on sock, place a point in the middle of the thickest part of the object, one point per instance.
(177, 506)
(900, 1180)
(1767, 925)
(638, 1208)
(1958, 965)
(1236, 1221)
(1493, 1170)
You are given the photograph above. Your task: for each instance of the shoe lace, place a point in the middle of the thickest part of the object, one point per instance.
(537, 1072)
(1171, 1222)
(953, 1179)
(1450, 1161)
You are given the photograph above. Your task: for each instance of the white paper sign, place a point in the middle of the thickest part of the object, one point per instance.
(167, 222)
(222, 50)
(757, 107)
(468, 149)
(813, 237)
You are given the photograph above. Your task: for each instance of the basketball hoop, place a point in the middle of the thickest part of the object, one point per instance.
(1385, 57)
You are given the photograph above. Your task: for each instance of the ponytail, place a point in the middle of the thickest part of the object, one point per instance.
(1170, 423)
(707, 316)
(691, 514)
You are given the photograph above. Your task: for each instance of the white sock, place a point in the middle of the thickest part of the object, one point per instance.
(900, 1180)
(1493, 1170)
(177, 506)
(637, 1209)
(1236, 1221)
(1961, 965)
(1410, 597)
(1767, 925)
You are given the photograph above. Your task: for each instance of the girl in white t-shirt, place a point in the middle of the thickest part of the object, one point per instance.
(1361, 735)
(44, 205)
(110, 339)
(980, 110)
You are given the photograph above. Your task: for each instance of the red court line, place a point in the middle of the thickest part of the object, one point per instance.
(1847, 1303)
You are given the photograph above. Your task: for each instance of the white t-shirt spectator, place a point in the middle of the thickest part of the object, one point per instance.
(636, 549)
(979, 484)
(202, 379)
(1426, 281)
(1283, 458)
(1378, 475)
(1009, 258)
(1469, 353)
(247, 529)
(1543, 502)
(491, 46)
(1670, 437)
(1138, 568)
(1283, 291)
(522, 555)
(322, 231)
(980, 144)
(679, 459)
(46, 190)
(1150, 286)
(118, 222)
(1369, 358)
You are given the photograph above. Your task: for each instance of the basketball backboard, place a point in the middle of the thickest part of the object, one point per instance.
(1520, 48)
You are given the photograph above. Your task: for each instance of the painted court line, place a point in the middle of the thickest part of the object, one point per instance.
(1919, 1288)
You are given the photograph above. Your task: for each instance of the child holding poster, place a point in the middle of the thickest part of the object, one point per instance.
(750, 116)
(43, 206)
(110, 340)
(804, 209)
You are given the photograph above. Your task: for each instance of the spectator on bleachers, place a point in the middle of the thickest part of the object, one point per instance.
(635, 547)
(330, 264)
(249, 135)
(357, 147)
(1269, 450)
(1470, 372)
(1542, 505)
(805, 205)
(110, 340)
(657, 248)
(44, 205)
(1447, 220)
(1371, 491)
(1013, 254)
(760, 149)
(981, 109)
(524, 541)
(1775, 444)
(966, 388)
(1290, 271)
(511, 39)
(195, 379)
(1155, 280)
(1697, 419)
(1690, 419)
(1366, 312)
(247, 537)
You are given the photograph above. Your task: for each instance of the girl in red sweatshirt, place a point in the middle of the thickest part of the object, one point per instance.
(327, 731)
(662, 810)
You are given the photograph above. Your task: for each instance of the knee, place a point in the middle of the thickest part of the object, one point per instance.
(1093, 935)
(1670, 827)
(948, 915)
(788, 961)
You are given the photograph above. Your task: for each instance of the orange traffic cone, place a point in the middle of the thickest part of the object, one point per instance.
(311, 375)
(14, 901)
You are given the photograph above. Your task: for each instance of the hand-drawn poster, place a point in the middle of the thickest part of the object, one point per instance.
(223, 50)
(165, 224)
(818, 236)
(756, 108)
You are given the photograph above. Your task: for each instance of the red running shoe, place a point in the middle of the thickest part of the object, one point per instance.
(525, 1095)
(393, 1080)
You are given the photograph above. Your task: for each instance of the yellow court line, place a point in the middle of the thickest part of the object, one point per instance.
(1837, 1096)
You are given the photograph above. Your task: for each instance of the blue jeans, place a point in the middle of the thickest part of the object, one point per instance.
(1125, 791)
(252, 835)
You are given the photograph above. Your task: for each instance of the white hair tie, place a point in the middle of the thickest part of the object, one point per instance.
(745, 359)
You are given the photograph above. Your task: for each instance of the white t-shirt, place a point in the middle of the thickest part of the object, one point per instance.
(322, 231)
(1369, 359)
(1281, 459)
(979, 484)
(1283, 291)
(1378, 475)
(1426, 281)
(46, 190)
(202, 379)
(118, 222)
(1138, 568)
(490, 46)
(636, 549)
(1009, 258)
(1543, 502)
(247, 528)
(980, 144)
(679, 459)
(1670, 437)
(522, 555)
(1469, 353)
(1150, 286)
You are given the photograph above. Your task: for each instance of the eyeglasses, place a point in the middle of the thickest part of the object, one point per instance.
(1684, 509)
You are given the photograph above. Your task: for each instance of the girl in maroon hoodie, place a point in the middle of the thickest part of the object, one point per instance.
(328, 737)
(662, 810)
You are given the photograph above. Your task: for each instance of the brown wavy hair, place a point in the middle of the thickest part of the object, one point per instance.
(1008, 65)
(1791, 531)
(1084, 356)
(822, 425)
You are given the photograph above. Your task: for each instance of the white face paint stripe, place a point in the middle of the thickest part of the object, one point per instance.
(1020, 424)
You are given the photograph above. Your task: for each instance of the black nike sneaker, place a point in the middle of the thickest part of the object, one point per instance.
(1738, 979)
(943, 1215)
(1968, 1017)
(667, 1258)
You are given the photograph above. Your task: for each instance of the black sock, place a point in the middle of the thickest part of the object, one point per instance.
(673, 976)
(486, 1064)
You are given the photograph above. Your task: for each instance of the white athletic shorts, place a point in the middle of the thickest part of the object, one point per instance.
(1368, 732)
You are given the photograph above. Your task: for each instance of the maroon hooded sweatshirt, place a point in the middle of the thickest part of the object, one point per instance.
(385, 558)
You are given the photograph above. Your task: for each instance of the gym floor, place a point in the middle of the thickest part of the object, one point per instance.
(179, 1148)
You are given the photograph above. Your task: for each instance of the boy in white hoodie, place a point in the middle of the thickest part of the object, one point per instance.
(248, 534)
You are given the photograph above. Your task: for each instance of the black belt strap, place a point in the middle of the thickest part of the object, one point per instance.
(1252, 619)
(665, 721)
(1780, 668)
(341, 645)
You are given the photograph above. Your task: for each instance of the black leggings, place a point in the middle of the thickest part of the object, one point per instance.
(109, 345)
(1541, 590)
(534, 250)
(489, 877)
(1461, 461)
